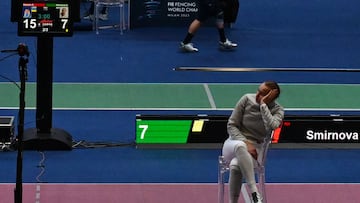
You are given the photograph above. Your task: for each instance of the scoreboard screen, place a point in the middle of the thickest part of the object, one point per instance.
(165, 130)
(45, 18)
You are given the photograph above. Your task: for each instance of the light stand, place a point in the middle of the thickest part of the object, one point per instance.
(44, 137)
(23, 60)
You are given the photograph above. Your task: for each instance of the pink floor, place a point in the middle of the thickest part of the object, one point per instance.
(174, 193)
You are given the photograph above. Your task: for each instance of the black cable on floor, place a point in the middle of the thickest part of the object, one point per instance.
(41, 166)
(86, 145)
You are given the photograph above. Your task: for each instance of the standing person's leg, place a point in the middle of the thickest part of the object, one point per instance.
(104, 14)
(90, 13)
(104, 10)
(203, 15)
(186, 44)
(194, 26)
(224, 42)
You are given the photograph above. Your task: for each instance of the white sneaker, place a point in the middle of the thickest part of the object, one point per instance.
(103, 16)
(89, 17)
(189, 47)
(256, 197)
(228, 45)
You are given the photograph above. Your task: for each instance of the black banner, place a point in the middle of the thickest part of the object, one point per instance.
(162, 12)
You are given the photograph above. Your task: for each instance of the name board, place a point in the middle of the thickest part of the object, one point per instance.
(320, 129)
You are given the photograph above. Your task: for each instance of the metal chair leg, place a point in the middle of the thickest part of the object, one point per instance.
(221, 185)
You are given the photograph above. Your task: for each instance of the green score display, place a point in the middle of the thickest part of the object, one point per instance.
(162, 131)
(45, 18)
(180, 129)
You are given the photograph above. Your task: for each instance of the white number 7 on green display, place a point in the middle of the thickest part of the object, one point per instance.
(144, 129)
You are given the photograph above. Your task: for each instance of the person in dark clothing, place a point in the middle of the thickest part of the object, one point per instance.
(207, 9)
(90, 14)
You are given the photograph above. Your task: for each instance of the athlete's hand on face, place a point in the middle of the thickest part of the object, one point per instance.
(271, 95)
